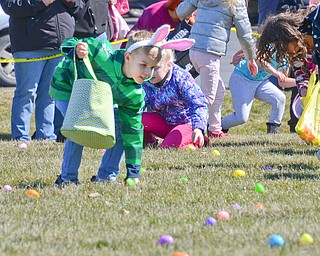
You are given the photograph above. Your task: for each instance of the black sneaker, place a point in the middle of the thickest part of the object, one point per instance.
(108, 180)
(61, 183)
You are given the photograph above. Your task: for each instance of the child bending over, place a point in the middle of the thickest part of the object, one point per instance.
(179, 108)
(125, 71)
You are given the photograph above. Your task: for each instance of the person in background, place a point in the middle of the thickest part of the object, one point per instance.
(266, 8)
(211, 32)
(177, 108)
(156, 15)
(37, 29)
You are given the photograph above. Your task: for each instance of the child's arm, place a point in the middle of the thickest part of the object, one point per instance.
(276, 73)
(196, 103)
(130, 116)
(288, 83)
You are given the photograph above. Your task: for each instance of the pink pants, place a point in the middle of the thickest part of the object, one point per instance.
(174, 136)
(208, 66)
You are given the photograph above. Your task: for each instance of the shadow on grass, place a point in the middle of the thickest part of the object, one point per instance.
(287, 151)
(5, 136)
(290, 175)
(36, 185)
(248, 143)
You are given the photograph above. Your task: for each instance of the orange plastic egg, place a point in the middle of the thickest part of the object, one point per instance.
(33, 193)
(180, 254)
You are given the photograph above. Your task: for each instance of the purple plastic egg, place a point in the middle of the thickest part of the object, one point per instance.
(210, 221)
(235, 206)
(7, 188)
(165, 239)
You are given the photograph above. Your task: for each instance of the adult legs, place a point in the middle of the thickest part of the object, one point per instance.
(44, 108)
(31, 85)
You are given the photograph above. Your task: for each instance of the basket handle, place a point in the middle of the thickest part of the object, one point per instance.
(88, 65)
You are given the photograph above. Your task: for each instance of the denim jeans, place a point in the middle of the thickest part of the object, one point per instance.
(110, 164)
(33, 82)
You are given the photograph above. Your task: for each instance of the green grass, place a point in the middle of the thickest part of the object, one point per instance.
(129, 221)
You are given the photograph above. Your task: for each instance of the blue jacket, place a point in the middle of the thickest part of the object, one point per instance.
(213, 23)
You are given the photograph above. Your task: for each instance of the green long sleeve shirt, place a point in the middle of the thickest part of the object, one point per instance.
(107, 65)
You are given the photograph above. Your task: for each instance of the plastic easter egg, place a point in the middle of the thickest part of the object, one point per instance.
(210, 221)
(267, 168)
(165, 240)
(239, 173)
(276, 241)
(191, 147)
(318, 154)
(259, 188)
(259, 206)
(223, 215)
(184, 179)
(235, 206)
(215, 152)
(142, 170)
(180, 254)
(23, 145)
(33, 193)
(7, 188)
(306, 239)
(130, 182)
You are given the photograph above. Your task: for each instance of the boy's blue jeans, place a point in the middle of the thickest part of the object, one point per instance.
(110, 164)
(33, 82)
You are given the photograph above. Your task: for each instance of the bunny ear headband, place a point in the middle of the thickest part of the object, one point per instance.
(157, 40)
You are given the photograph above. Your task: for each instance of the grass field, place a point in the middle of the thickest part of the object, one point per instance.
(103, 219)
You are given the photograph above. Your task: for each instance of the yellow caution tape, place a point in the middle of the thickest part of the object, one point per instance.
(253, 34)
(31, 59)
(59, 54)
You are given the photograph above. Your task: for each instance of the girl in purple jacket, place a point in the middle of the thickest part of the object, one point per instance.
(178, 108)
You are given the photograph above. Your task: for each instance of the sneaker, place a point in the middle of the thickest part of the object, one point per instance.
(114, 181)
(61, 183)
(136, 182)
(217, 135)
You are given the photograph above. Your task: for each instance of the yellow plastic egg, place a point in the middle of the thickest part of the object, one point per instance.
(239, 173)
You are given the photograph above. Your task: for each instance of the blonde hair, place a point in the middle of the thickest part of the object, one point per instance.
(138, 35)
(167, 55)
(141, 35)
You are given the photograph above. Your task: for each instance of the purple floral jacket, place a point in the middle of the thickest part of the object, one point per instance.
(179, 100)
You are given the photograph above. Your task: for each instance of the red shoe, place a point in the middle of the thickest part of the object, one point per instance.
(217, 135)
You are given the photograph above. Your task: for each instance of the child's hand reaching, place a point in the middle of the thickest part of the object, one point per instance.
(197, 136)
(237, 57)
(82, 50)
(253, 67)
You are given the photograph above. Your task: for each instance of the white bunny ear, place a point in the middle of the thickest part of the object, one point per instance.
(179, 44)
(160, 34)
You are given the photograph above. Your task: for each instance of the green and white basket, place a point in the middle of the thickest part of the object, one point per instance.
(89, 120)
